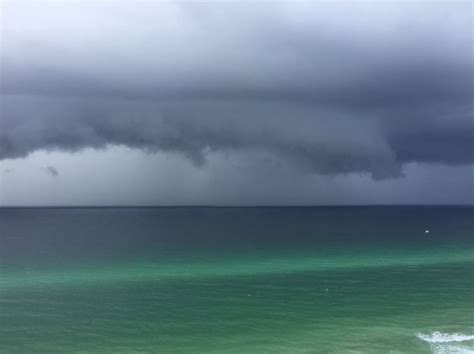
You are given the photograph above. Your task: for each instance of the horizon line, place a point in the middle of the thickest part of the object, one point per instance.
(227, 206)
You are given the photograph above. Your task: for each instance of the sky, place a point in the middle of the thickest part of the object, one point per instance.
(236, 103)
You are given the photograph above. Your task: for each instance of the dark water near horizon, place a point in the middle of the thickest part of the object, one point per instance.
(237, 280)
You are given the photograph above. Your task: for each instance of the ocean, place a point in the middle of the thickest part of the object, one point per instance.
(237, 280)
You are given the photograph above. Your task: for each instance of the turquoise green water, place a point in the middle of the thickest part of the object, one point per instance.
(336, 280)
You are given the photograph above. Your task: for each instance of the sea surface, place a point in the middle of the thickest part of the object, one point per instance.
(237, 280)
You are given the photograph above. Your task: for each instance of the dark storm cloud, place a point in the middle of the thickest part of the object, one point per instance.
(326, 87)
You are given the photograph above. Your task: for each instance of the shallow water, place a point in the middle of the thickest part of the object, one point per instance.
(237, 280)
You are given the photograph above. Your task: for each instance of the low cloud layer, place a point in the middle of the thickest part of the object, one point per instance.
(326, 88)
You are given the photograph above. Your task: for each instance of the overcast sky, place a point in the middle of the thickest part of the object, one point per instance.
(242, 103)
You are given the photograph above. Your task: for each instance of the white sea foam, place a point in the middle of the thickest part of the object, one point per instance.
(441, 343)
(439, 337)
(450, 349)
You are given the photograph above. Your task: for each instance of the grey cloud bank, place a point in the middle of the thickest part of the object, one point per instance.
(326, 88)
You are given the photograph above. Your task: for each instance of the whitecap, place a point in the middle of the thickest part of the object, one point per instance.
(439, 337)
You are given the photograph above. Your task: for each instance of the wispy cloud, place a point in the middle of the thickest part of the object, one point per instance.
(52, 171)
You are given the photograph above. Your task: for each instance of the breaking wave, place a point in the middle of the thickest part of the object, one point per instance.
(439, 337)
(442, 343)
